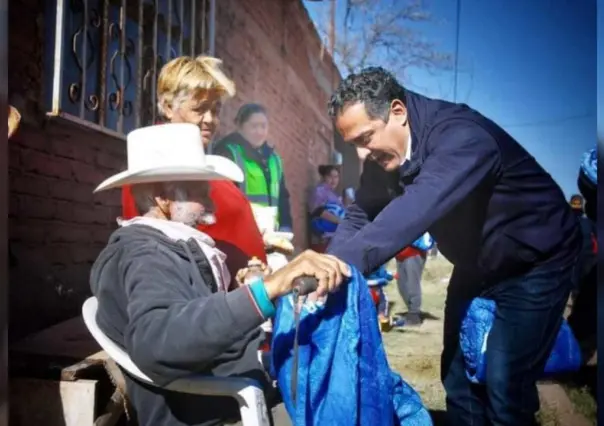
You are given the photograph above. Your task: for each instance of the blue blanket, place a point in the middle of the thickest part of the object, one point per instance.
(343, 374)
(565, 356)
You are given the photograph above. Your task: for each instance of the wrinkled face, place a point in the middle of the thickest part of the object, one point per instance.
(386, 141)
(332, 179)
(204, 113)
(255, 129)
(191, 205)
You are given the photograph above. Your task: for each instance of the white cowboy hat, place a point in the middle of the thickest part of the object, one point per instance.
(169, 153)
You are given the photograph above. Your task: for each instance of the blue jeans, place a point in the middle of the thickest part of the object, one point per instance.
(528, 317)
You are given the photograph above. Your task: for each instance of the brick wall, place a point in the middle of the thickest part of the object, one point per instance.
(57, 226)
(272, 51)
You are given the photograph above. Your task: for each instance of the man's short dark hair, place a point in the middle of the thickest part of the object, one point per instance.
(374, 87)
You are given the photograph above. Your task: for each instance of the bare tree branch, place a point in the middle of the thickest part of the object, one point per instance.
(385, 32)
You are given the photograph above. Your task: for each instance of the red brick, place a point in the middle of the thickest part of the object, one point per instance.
(27, 231)
(80, 274)
(79, 254)
(85, 173)
(69, 233)
(36, 207)
(31, 139)
(109, 161)
(71, 191)
(45, 164)
(65, 211)
(59, 253)
(69, 148)
(101, 236)
(111, 198)
(280, 73)
(91, 214)
(13, 206)
(29, 184)
(14, 157)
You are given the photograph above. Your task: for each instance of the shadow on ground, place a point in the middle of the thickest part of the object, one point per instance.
(439, 417)
(424, 315)
(586, 378)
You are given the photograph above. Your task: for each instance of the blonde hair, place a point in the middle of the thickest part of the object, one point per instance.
(14, 118)
(186, 76)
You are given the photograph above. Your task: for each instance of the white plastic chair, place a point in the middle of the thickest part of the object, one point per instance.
(247, 392)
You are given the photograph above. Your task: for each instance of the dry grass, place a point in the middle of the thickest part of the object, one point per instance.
(584, 403)
(415, 352)
(548, 416)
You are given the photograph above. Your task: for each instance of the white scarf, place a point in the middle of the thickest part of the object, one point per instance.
(180, 232)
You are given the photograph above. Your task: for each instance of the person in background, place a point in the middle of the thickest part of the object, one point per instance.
(410, 263)
(376, 281)
(191, 90)
(576, 203)
(323, 196)
(584, 315)
(264, 180)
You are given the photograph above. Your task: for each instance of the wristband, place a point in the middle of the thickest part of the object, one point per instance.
(258, 291)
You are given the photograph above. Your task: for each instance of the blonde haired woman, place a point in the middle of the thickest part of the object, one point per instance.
(191, 90)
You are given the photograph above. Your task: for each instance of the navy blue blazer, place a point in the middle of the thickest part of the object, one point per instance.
(490, 206)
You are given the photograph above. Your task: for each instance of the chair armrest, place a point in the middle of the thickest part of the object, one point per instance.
(213, 386)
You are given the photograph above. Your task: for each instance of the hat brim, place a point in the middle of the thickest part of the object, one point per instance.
(215, 168)
(14, 118)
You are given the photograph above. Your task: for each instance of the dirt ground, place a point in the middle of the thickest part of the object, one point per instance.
(415, 354)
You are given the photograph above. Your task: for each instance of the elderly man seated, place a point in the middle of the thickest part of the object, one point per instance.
(162, 284)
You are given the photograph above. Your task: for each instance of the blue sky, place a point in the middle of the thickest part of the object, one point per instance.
(529, 65)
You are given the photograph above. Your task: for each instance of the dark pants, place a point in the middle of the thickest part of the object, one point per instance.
(410, 282)
(527, 320)
(584, 316)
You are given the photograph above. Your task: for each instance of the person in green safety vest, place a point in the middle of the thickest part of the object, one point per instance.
(264, 180)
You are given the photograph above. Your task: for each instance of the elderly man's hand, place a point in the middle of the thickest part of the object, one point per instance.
(327, 269)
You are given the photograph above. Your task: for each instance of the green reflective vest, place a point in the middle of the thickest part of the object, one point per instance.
(259, 185)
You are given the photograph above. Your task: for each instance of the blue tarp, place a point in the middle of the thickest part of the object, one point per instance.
(343, 374)
(565, 356)
(589, 165)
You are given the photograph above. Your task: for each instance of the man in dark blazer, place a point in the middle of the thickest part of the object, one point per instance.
(496, 214)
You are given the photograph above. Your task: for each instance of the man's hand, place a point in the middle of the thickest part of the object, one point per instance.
(327, 269)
